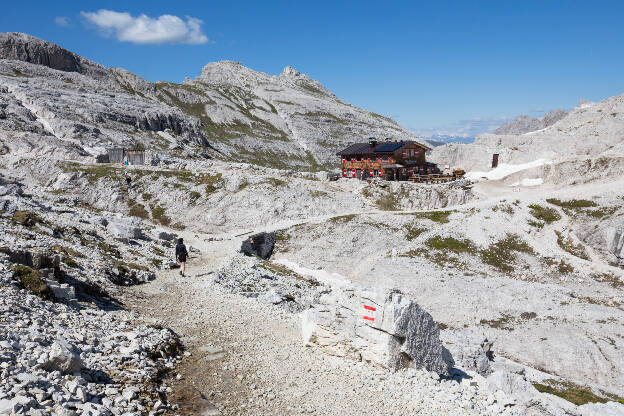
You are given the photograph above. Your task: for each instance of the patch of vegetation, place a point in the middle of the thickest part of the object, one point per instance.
(159, 251)
(567, 244)
(131, 266)
(450, 244)
(138, 210)
(30, 280)
(572, 204)
(501, 254)
(194, 195)
(286, 272)
(388, 202)
(67, 251)
(412, 231)
(26, 218)
(528, 315)
(602, 212)
(545, 214)
(564, 267)
(506, 208)
(501, 323)
(156, 262)
(435, 216)
(212, 182)
(318, 194)
(158, 214)
(342, 219)
(571, 392)
(244, 184)
(536, 224)
(19, 73)
(609, 278)
(275, 182)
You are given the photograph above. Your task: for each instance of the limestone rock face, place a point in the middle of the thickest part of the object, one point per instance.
(63, 357)
(384, 328)
(22, 47)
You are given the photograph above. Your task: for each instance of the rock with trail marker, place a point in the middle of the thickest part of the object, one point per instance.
(385, 328)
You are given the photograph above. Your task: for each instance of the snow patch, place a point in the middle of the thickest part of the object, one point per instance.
(323, 276)
(505, 170)
(528, 182)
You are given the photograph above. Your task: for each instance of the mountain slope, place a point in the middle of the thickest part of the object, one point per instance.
(590, 130)
(526, 124)
(229, 112)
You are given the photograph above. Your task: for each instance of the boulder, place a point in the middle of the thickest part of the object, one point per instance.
(123, 229)
(470, 350)
(164, 235)
(260, 245)
(63, 357)
(385, 328)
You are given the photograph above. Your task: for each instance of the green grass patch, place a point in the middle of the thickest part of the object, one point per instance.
(571, 392)
(450, 244)
(30, 280)
(545, 214)
(572, 203)
(158, 214)
(564, 267)
(501, 254)
(342, 219)
(436, 216)
(138, 210)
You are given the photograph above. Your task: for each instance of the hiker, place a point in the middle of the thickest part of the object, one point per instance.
(181, 255)
(128, 181)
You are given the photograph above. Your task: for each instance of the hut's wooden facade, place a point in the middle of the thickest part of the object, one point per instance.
(393, 160)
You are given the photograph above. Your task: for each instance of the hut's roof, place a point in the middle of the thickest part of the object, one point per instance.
(378, 147)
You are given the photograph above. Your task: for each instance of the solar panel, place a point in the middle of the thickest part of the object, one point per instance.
(388, 147)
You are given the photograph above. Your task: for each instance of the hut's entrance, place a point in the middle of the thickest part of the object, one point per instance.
(494, 160)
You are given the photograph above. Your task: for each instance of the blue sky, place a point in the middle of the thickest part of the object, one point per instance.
(426, 64)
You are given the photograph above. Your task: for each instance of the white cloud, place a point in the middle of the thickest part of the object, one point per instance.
(147, 30)
(61, 21)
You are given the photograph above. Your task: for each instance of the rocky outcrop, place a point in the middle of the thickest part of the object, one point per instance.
(525, 124)
(384, 328)
(260, 245)
(22, 47)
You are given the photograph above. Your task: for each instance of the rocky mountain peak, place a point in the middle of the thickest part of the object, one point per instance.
(525, 124)
(289, 71)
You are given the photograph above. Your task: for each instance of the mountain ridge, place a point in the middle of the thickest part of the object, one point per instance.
(229, 111)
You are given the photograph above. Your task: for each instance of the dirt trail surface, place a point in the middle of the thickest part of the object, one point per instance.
(248, 358)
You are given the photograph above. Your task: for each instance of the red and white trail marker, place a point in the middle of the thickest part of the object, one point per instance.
(369, 310)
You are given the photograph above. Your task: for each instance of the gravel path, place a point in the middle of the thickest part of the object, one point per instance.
(248, 358)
